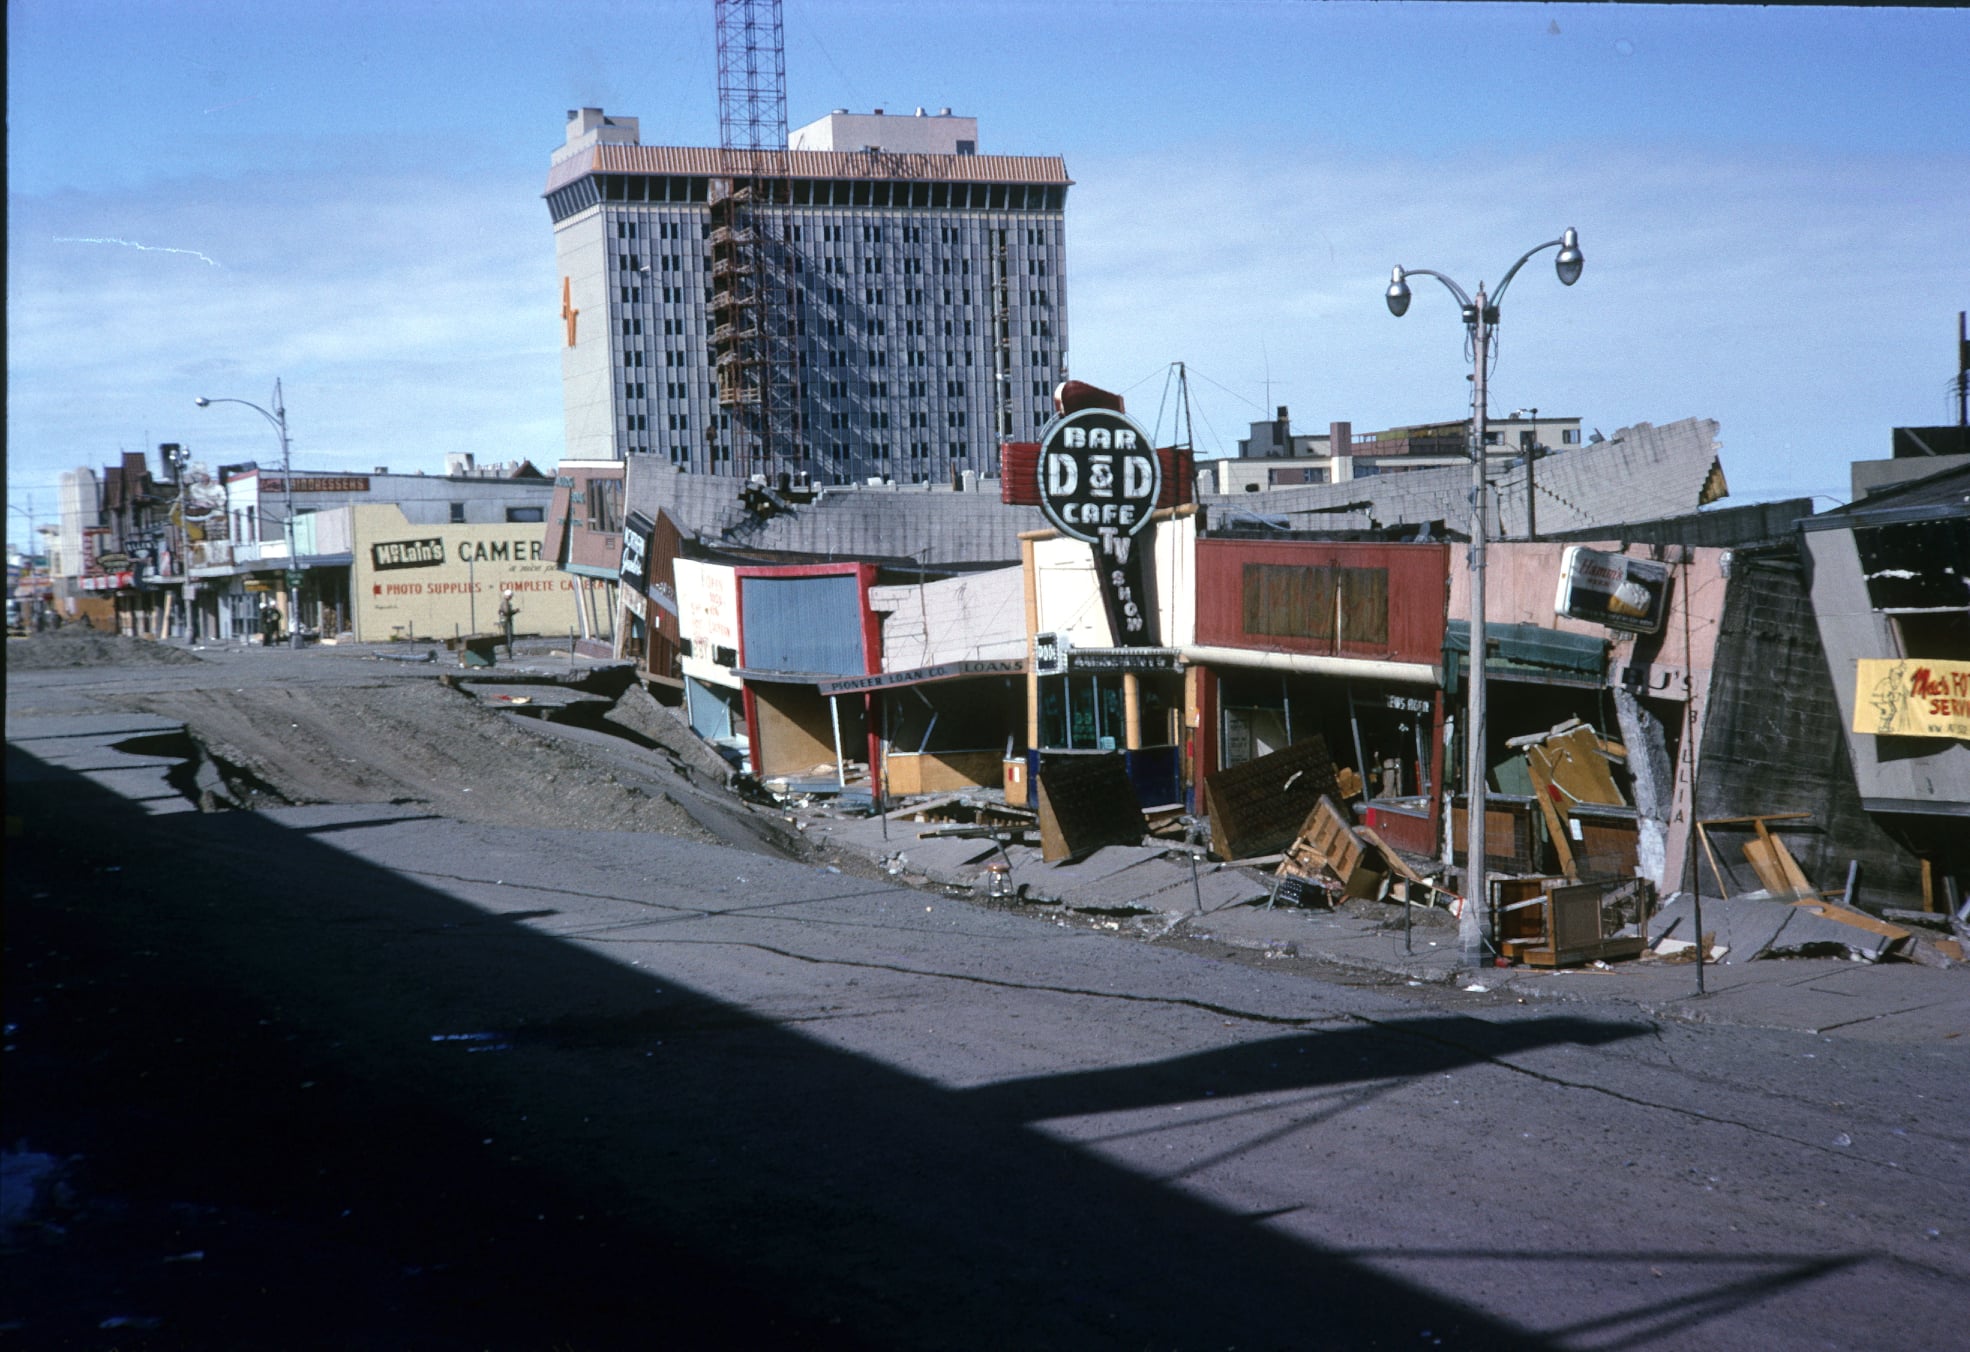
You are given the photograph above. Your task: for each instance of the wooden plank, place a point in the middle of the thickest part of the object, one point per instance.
(1395, 860)
(1847, 915)
(1772, 878)
(1789, 867)
(1716, 869)
(1576, 762)
(1747, 821)
(1776, 868)
(1542, 791)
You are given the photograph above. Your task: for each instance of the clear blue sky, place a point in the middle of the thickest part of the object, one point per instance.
(1774, 204)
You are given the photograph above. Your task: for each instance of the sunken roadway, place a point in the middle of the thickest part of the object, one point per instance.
(390, 1064)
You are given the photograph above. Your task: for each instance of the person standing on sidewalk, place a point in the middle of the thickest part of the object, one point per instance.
(507, 610)
(269, 623)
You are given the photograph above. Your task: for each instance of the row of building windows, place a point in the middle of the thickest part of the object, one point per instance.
(841, 192)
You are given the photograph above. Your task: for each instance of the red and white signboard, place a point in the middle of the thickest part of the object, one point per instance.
(1613, 589)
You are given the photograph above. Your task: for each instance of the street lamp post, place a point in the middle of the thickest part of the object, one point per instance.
(1480, 320)
(179, 457)
(279, 419)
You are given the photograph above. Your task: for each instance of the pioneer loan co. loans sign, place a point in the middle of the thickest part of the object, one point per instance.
(1099, 481)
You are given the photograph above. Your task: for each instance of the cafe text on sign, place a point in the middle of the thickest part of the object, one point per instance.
(1099, 481)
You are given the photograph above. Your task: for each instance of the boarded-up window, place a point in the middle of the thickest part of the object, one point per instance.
(1345, 605)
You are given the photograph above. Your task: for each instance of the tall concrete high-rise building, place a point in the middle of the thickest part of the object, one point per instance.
(923, 291)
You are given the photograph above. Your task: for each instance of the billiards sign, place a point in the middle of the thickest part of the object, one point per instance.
(1099, 481)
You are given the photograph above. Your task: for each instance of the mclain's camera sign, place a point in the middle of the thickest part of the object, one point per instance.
(1099, 482)
(387, 554)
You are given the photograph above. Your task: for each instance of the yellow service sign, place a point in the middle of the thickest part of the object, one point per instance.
(1912, 697)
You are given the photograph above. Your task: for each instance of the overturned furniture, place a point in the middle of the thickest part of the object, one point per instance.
(1328, 860)
(1551, 922)
(1086, 802)
(1331, 860)
(1259, 807)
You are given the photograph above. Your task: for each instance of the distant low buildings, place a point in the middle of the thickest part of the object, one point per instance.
(193, 553)
(1274, 456)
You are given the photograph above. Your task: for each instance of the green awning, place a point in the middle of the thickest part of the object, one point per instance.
(1529, 652)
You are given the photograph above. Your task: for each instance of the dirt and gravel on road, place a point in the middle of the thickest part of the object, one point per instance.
(76, 646)
(273, 729)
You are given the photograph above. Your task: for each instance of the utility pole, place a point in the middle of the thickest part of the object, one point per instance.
(1962, 370)
(1531, 506)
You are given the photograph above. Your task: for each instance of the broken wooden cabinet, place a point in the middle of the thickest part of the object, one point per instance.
(1551, 922)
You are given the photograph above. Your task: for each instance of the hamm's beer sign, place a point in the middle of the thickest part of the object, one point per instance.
(1612, 589)
(1099, 481)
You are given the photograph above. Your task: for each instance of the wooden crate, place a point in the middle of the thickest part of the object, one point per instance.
(1327, 845)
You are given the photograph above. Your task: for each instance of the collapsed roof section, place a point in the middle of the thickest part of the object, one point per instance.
(927, 528)
(1641, 473)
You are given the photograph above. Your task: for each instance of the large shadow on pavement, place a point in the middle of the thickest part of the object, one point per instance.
(307, 1103)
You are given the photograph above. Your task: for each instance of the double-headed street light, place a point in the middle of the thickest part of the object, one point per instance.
(1480, 319)
(279, 419)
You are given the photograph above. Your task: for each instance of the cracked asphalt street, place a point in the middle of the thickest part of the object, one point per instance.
(399, 1078)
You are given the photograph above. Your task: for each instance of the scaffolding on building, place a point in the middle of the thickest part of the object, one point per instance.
(755, 303)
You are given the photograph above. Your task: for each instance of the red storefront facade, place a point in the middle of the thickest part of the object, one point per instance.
(1338, 638)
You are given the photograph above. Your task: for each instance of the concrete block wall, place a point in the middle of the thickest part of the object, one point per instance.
(1773, 740)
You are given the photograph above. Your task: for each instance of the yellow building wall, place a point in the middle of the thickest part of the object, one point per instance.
(433, 581)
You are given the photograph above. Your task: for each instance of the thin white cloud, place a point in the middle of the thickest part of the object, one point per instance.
(405, 315)
(133, 244)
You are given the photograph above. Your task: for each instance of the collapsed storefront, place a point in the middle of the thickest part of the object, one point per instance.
(584, 539)
(950, 698)
(1892, 605)
(800, 625)
(1551, 673)
(708, 655)
(1088, 693)
(1330, 639)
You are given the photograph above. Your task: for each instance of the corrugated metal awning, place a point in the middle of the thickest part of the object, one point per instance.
(1532, 652)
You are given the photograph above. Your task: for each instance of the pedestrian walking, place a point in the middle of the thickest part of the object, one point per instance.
(269, 623)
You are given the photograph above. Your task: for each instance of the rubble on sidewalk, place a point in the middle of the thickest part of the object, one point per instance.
(1751, 926)
(1569, 773)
